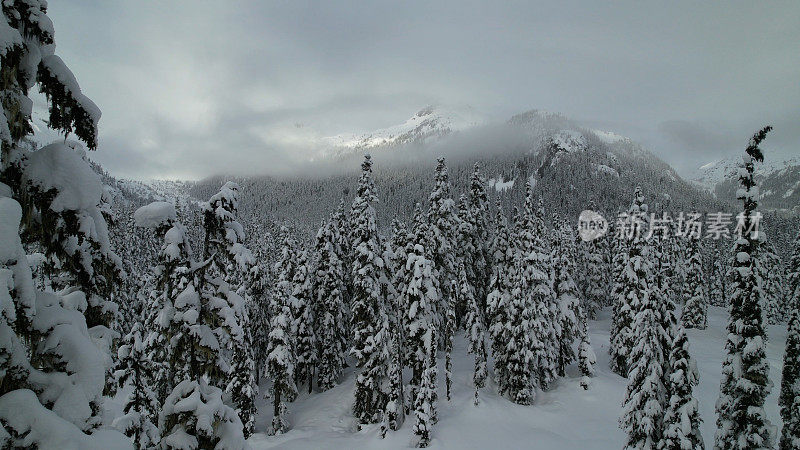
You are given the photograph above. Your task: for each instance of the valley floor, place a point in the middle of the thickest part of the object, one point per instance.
(565, 417)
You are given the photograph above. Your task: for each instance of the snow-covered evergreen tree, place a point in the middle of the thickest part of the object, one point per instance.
(681, 419)
(280, 348)
(789, 400)
(481, 270)
(511, 322)
(624, 292)
(51, 199)
(303, 335)
(646, 395)
(569, 313)
(329, 305)
(440, 241)
(537, 284)
(425, 399)
(194, 416)
(420, 294)
(141, 406)
(476, 331)
(222, 277)
(596, 272)
(695, 309)
(741, 420)
(586, 357)
(450, 333)
(772, 274)
(369, 321)
(499, 295)
(172, 274)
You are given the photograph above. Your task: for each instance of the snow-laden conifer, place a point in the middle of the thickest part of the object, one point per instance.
(141, 406)
(280, 348)
(741, 419)
(646, 395)
(440, 242)
(329, 305)
(369, 321)
(682, 418)
(695, 308)
(789, 399)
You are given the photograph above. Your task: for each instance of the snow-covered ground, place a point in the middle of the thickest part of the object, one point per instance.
(565, 417)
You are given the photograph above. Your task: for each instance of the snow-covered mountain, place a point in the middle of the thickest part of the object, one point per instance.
(427, 125)
(779, 181)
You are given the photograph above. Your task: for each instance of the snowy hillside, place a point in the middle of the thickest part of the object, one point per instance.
(779, 179)
(565, 417)
(425, 126)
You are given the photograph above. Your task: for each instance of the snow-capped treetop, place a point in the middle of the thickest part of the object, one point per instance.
(59, 167)
(155, 215)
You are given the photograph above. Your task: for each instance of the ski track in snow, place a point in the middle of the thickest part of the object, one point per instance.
(565, 417)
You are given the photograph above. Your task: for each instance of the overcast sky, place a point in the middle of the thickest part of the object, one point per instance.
(193, 88)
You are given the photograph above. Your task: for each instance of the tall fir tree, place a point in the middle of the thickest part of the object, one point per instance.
(569, 312)
(772, 274)
(480, 271)
(228, 263)
(594, 280)
(303, 321)
(419, 297)
(476, 332)
(53, 200)
(789, 399)
(369, 321)
(281, 358)
(425, 399)
(329, 305)
(440, 242)
(500, 291)
(141, 405)
(682, 418)
(741, 420)
(646, 395)
(695, 308)
(166, 337)
(624, 314)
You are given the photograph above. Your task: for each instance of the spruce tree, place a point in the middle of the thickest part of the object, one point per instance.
(60, 213)
(594, 292)
(223, 278)
(500, 291)
(329, 306)
(141, 406)
(480, 271)
(303, 321)
(695, 309)
(741, 421)
(369, 321)
(425, 400)
(280, 349)
(476, 332)
(772, 274)
(789, 400)
(681, 419)
(172, 274)
(622, 337)
(646, 395)
(442, 227)
(419, 297)
(569, 312)
(586, 357)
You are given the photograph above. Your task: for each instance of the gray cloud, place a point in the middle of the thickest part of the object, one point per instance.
(193, 88)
